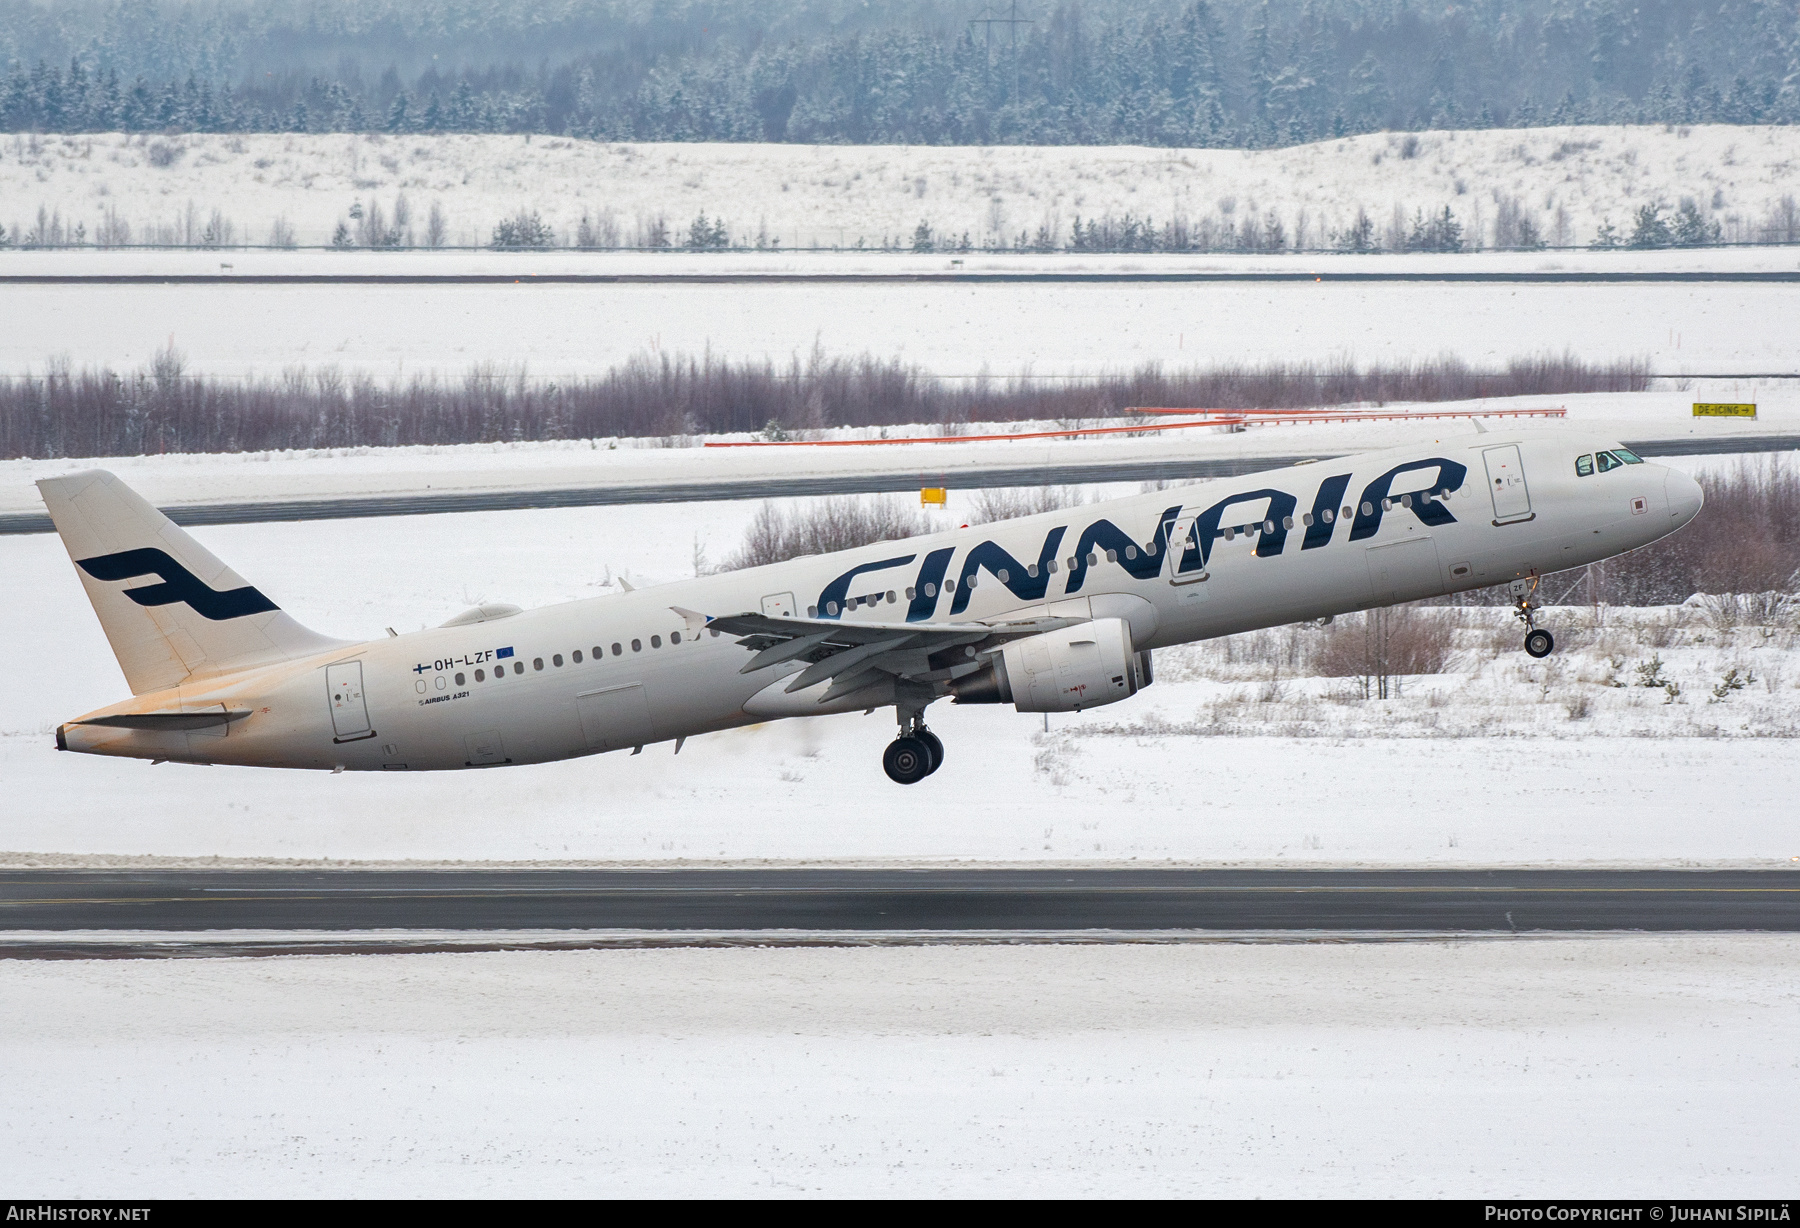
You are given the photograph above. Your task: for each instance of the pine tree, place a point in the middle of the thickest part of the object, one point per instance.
(1692, 228)
(397, 118)
(1650, 228)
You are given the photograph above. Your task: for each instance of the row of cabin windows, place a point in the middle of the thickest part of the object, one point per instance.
(575, 658)
(1585, 466)
(1229, 533)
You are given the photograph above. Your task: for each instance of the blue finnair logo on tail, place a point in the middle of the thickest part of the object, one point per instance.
(179, 585)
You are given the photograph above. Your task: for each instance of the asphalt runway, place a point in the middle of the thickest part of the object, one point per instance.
(947, 278)
(922, 903)
(760, 488)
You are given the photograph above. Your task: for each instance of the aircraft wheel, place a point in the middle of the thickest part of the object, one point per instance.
(933, 744)
(1539, 643)
(907, 761)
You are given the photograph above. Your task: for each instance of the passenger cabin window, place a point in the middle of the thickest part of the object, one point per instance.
(637, 645)
(537, 663)
(460, 680)
(617, 650)
(480, 677)
(674, 637)
(656, 641)
(1607, 461)
(556, 660)
(576, 656)
(518, 667)
(1584, 466)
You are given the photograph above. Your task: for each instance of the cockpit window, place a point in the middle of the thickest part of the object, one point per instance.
(1628, 456)
(1607, 461)
(1584, 466)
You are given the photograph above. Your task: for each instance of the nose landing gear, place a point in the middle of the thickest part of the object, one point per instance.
(1538, 642)
(914, 755)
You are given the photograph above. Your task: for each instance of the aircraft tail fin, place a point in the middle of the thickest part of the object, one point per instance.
(169, 607)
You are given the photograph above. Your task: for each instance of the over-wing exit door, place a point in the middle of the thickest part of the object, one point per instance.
(1506, 482)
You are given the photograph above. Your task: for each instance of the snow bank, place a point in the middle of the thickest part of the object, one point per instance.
(1593, 1067)
(1567, 180)
(952, 330)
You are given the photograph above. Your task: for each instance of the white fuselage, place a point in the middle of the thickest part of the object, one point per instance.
(624, 670)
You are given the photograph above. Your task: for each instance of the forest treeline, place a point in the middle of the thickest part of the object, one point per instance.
(1207, 73)
(65, 412)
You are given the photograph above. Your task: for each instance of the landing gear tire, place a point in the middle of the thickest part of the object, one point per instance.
(1538, 643)
(907, 761)
(932, 744)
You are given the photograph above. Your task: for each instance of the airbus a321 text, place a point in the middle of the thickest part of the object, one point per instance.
(1051, 613)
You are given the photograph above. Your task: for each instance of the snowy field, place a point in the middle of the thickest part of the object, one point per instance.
(1497, 761)
(946, 329)
(1566, 180)
(1593, 1067)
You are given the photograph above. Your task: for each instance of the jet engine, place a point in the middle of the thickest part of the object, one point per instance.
(1077, 667)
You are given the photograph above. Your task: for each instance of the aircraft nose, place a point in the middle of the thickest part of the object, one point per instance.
(1684, 496)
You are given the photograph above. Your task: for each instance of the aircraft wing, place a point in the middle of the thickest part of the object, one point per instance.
(855, 654)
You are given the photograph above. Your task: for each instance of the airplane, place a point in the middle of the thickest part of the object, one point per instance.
(1058, 612)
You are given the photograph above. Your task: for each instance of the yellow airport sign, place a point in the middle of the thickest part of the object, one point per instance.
(933, 495)
(1708, 409)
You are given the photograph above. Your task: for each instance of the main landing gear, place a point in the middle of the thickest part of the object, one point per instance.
(1538, 642)
(914, 755)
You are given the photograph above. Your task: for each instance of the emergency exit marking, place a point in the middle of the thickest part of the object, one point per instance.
(1708, 409)
(933, 494)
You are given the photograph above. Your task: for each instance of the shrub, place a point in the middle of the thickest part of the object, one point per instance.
(777, 535)
(100, 412)
(1012, 502)
(1379, 646)
(522, 230)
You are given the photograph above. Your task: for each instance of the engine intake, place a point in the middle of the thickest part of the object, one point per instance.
(1077, 667)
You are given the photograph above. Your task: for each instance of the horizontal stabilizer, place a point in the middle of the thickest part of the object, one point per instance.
(168, 721)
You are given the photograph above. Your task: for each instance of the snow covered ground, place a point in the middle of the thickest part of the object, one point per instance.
(1590, 1067)
(946, 329)
(1496, 761)
(1566, 180)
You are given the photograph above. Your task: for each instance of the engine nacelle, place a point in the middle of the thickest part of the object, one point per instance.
(1077, 667)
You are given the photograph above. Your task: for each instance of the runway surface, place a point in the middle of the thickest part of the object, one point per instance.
(762, 488)
(921, 903)
(946, 278)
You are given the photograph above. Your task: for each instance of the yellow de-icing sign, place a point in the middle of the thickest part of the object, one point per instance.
(1708, 409)
(933, 494)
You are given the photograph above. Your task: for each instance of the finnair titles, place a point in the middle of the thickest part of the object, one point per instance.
(1058, 612)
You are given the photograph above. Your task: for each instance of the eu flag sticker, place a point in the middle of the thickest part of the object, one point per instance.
(503, 653)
